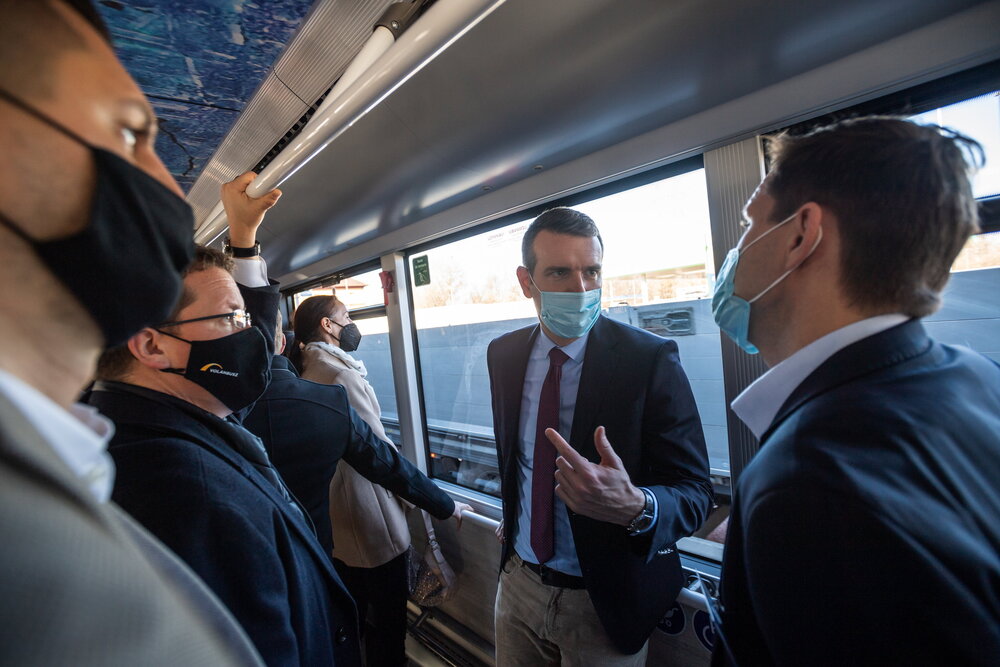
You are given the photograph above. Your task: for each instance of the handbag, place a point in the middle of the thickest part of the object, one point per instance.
(430, 579)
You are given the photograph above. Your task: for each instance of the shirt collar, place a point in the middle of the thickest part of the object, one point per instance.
(759, 403)
(78, 436)
(574, 350)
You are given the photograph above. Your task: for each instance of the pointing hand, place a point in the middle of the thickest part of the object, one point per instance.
(601, 491)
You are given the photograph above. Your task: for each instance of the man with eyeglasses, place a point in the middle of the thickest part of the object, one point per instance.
(194, 477)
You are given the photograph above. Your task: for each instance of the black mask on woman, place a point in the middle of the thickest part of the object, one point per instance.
(350, 337)
(236, 369)
(124, 266)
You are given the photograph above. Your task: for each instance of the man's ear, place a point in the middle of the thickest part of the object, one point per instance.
(279, 343)
(524, 278)
(145, 347)
(808, 224)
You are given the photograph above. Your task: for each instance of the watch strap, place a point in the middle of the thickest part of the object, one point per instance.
(242, 253)
(644, 520)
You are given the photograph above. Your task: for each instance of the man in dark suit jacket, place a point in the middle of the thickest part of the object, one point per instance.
(588, 565)
(198, 480)
(867, 529)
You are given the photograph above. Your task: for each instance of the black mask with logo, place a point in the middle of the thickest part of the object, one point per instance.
(236, 369)
(124, 267)
(350, 337)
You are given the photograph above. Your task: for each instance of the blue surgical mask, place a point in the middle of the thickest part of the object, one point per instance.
(732, 313)
(569, 314)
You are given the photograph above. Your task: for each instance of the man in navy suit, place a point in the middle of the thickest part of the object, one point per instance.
(867, 529)
(588, 564)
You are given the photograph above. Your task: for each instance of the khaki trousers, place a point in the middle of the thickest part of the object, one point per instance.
(545, 625)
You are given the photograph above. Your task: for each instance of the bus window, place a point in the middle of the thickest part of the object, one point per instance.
(374, 353)
(970, 315)
(978, 118)
(360, 291)
(362, 294)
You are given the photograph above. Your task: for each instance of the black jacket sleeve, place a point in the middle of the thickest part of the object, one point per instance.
(382, 464)
(674, 451)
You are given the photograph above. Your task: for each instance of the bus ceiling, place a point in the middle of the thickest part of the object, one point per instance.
(484, 107)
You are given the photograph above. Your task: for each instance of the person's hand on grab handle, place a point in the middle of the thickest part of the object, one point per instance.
(500, 534)
(245, 213)
(601, 491)
(457, 514)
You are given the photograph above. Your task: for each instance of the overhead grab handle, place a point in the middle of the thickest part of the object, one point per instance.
(387, 63)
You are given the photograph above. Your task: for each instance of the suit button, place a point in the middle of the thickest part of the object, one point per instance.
(341, 635)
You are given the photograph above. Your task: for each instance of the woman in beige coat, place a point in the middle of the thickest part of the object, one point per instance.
(370, 535)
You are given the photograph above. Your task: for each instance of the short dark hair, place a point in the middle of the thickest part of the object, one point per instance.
(115, 362)
(902, 195)
(561, 220)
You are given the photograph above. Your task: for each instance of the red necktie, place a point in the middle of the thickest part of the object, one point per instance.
(542, 481)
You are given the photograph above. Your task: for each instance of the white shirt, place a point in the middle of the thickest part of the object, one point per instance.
(250, 271)
(759, 403)
(79, 436)
(564, 558)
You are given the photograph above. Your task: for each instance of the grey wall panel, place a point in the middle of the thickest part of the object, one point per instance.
(474, 554)
(732, 174)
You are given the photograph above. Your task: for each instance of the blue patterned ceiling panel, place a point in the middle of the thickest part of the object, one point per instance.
(199, 61)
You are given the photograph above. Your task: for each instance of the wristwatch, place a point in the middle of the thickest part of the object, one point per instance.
(241, 253)
(644, 519)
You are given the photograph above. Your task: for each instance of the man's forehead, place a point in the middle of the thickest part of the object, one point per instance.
(213, 287)
(552, 245)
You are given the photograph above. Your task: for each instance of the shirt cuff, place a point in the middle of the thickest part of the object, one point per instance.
(656, 514)
(250, 272)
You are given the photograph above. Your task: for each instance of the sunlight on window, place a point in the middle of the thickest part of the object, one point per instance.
(979, 119)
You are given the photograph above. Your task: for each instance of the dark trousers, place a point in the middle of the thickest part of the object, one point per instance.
(380, 593)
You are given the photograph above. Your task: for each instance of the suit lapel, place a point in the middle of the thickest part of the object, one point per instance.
(515, 365)
(230, 455)
(160, 414)
(599, 364)
(884, 349)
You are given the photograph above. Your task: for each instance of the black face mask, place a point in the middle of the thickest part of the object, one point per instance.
(124, 267)
(236, 369)
(350, 337)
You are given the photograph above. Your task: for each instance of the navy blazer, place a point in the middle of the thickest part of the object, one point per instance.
(867, 529)
(308, 427)
(632, 383)
(179, 474)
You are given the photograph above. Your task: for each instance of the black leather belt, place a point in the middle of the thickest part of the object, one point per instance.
(552, 577)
